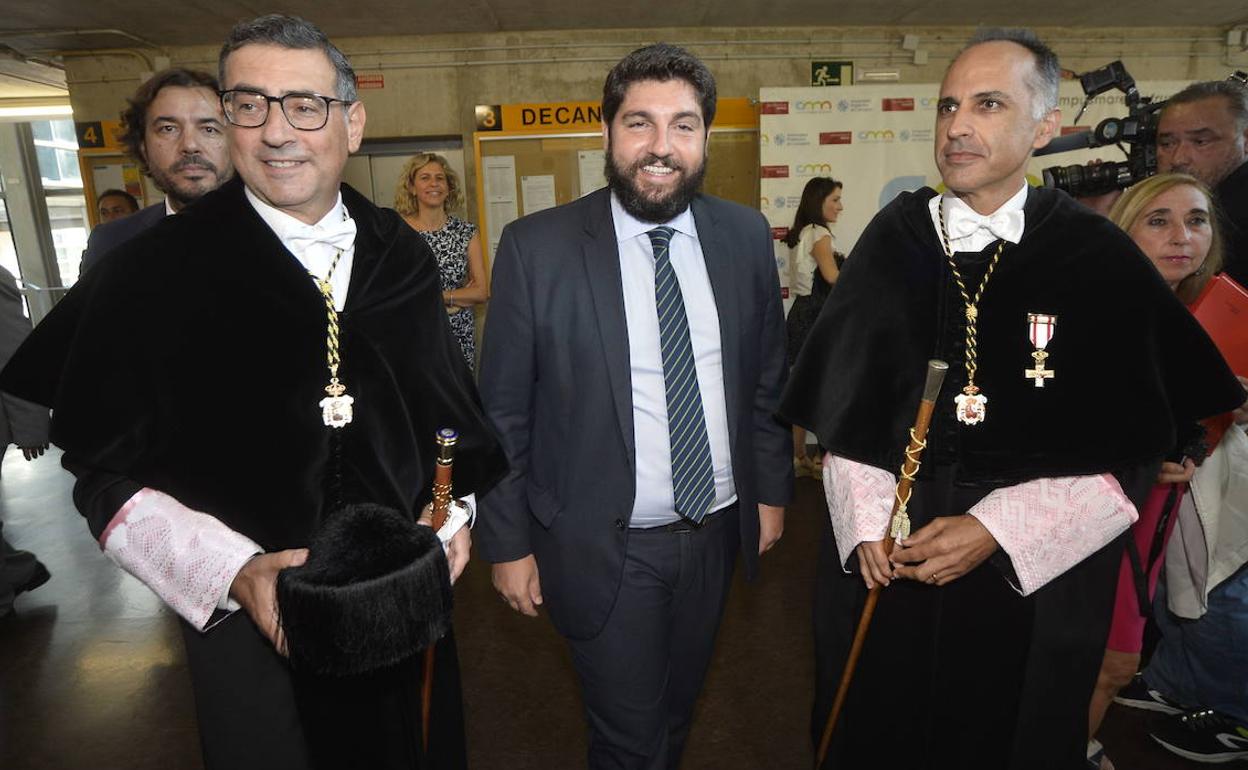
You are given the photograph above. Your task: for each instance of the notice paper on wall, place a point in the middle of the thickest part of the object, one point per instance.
(538, 192)
(590, 164)
(500, 195)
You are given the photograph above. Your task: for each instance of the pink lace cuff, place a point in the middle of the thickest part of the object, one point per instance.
(860, 501)
(1047, 526)
(188, 558)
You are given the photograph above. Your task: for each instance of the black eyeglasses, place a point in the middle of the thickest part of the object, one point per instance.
(250, 109)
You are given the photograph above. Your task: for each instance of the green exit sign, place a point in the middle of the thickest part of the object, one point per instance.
(831, 73)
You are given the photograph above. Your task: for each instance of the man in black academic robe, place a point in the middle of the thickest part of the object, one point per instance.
(190, 367)
(990, 630)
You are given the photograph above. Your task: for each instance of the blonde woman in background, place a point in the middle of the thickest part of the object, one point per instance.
(428, 191)
(1171, 218)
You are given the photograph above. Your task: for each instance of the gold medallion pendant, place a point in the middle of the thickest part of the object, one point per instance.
(336, 406)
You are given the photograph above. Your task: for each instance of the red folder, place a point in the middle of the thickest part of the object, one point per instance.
(1222, 308)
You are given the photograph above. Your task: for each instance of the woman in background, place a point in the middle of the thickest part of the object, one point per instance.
(814, 265)
(427, 192)
(1171, 218)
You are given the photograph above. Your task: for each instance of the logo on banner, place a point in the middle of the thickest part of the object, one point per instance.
(836, 137)
(774, 108)
(917, 135)
(855, 105)
(812, 169)
(882, 136)
(928, 102)
(786, 202)
(774, 172)
(812, 105)
(791, 139)
(778, 233)
(898, 105)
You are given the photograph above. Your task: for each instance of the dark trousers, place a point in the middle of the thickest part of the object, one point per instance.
(255, 715)
(16, 569)
(641, 675)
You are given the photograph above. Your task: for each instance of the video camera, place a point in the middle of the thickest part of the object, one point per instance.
(1138, 130)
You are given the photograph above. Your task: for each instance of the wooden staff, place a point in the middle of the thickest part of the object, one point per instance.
(899, 527)
(446, 438)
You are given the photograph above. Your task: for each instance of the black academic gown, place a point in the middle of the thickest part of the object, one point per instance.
(973, 675)
(192, 361)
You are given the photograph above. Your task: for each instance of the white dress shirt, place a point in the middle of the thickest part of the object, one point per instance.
(654, 504)
(316, 257)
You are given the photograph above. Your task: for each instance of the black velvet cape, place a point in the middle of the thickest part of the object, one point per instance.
(192, 361)
(972, 675)
(1131, 363)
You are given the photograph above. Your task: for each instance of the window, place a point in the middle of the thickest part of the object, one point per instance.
(56, 148)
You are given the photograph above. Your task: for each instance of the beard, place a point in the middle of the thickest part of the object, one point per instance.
(185, 192)
(643, 206)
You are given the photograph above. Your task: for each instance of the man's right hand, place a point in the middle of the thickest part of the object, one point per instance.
(255, 588)
(31, 452)
(874, 563)
(517, 581)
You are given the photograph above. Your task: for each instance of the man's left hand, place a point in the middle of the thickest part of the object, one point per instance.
(457, 549)
(770, 526)
(31, 452)
(944, 550)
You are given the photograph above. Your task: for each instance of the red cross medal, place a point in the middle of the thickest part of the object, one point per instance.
(1041, 328)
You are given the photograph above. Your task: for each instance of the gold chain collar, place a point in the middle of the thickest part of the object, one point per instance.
(971, 403)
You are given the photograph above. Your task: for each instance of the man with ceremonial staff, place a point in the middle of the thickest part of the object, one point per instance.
(230, 378)
(1072, 371)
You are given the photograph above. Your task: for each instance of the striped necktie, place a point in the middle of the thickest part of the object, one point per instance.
(693, 476)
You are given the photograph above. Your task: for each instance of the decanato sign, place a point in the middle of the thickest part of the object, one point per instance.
(563, 117)
(555, 116)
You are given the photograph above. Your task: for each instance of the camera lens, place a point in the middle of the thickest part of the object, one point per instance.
(1092, 179)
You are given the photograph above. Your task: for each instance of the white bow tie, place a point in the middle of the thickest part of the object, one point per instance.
(338, 235)
(1006, 225)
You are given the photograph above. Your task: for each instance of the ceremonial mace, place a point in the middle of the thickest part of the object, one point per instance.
(446, 438)
(899, 527)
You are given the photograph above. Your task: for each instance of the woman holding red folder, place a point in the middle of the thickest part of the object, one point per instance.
(1171, 218)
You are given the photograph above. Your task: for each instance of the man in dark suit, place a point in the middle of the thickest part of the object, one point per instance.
(633, 358)
(174, 130)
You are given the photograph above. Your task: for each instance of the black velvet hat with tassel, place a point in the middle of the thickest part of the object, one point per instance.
(374, 591)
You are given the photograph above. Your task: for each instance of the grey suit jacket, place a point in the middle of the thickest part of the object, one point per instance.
(555, 380)
(108, 236)
(22, 422)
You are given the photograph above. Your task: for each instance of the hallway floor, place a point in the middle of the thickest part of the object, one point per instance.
(92, 674)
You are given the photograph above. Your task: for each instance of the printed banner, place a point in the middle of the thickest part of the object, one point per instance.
(878, 140)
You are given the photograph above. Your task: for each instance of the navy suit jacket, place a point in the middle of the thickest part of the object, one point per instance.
(109, 235)
(556, 383)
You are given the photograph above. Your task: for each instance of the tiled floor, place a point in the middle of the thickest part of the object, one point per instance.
(92, 673)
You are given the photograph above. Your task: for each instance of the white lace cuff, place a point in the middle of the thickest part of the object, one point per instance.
(460, 514)
(860, 502)
(188, 558)
(1047, 526)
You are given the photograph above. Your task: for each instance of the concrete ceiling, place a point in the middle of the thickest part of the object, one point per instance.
(36, 30)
